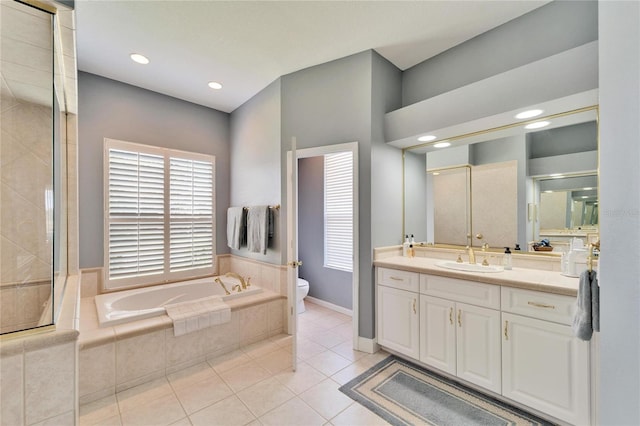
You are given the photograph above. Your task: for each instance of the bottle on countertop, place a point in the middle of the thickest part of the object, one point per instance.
(412, 240)
(517, 247)
(411, 251)
(506, 259)
(405, 246)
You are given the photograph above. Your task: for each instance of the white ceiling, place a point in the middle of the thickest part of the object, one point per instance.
(246, 45)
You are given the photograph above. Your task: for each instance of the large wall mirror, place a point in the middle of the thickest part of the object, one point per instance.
(33, 226)
(534, 178)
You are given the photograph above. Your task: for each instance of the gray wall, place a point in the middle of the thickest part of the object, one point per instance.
(256, 164)
(619, 212)
(110, 109)
(343, 101)
(564, 140)
(550, 29)
(328, 284)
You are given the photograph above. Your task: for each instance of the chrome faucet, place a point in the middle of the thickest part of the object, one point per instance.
(219, 281)
(243, 283)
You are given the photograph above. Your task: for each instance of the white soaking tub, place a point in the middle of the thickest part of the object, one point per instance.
(130, 305)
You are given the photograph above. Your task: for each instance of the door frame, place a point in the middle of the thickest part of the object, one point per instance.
(355, 284)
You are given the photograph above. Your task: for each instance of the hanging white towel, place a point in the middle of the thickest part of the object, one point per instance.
(586, 318)
(235, 226)
(198, 314)
(258, 229)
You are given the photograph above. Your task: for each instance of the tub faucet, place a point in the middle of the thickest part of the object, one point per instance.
(239, 277)
(219, 281)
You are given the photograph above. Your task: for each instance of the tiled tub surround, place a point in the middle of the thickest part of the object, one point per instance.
(38, 370)
(116, 358)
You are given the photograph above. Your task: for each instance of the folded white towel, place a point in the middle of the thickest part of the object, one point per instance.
(235, 227)
(198, 314)
(258, 229)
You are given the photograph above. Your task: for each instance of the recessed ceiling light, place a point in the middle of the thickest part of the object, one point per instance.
(585, 196)
(548, 191)
(587, 188)
(529, 114)
(215, 85)
(436, 173)
(442, 144)
(537, 125)
(141, 59)
(426, 138)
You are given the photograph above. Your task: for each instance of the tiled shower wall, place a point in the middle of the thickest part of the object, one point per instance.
(25, 234)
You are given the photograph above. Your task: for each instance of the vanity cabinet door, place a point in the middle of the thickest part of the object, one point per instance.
(438, 333)
(398, 321)
(545, 367)
(478, 346)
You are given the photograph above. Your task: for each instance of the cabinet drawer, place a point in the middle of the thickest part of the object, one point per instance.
(402, 280)
(538, 304)
(470, 292)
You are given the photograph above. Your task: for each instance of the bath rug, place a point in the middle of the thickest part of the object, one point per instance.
(405, 394)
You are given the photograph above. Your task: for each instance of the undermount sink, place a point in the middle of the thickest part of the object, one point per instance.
(469, 267)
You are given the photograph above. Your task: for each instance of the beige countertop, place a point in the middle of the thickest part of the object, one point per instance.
(530, 279)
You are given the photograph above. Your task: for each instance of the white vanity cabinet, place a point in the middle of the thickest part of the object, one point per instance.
(543, 365)
(397, 325)
(460, 334)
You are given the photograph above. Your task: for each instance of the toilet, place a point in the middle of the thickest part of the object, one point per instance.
(303, 290)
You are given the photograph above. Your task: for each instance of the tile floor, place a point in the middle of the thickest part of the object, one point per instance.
(255, 385)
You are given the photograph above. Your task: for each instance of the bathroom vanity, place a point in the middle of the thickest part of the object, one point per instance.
(506, 332)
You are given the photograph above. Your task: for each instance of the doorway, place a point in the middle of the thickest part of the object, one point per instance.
(309, 242)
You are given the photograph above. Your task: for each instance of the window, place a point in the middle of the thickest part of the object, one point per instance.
(338, 211)
(159, 221)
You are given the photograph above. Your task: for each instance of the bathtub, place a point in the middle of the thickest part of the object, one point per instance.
(130, 305)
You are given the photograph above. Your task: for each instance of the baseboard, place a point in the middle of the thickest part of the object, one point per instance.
(368, 345)
(328, 305)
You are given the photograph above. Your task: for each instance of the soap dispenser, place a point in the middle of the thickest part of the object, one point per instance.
(506, 260)
(405, 246)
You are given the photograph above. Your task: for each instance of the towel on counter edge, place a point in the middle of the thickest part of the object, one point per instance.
(258, 229)
(198, 314)
(235, 227)
(586, 318)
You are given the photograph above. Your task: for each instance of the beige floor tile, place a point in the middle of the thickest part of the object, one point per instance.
(265, 396)
(228, 361)
(188, 376)
(302, 379)
(328, 362)
(162, 411)
(349, 372)
(292, 413)
(333, 320)
(329, 339)
(245, 375)
(345, 330)
(345, 349)
(182, 422)
(229, 412)
(139, 395)
(201, 394)
(326, 399)
(259, 349)
(276, 361)
(308, 348)
(357, 415)
(309, 329)
(97, 411)
(283, 340)
(373, 359)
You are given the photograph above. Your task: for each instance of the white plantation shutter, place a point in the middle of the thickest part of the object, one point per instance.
(159, 214)
(338, 211)
(191, 201)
